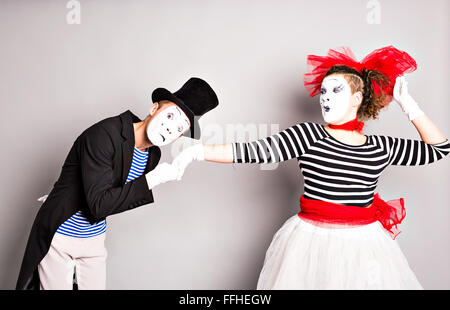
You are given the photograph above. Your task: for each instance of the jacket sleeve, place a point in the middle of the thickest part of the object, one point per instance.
(409, 152)
(287, 144)
(96, 160)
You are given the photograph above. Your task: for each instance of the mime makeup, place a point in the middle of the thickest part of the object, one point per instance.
(167, 126)
(335, 96)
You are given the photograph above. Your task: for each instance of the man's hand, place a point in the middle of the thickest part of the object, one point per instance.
(43, 198)
(189, 154)
(161, 174)
(404, 99)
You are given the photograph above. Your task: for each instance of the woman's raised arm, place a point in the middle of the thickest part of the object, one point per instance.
(428, 131)
(407, 152)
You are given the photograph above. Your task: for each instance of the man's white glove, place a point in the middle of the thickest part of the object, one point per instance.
(43, 198)
(161, 174)
(404, 99)
(195, 152)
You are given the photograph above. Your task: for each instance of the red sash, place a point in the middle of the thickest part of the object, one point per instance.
(389, 213)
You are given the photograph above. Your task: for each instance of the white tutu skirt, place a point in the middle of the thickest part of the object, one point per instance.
(305, 256)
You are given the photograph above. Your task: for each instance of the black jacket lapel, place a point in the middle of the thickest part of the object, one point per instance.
(154, 154)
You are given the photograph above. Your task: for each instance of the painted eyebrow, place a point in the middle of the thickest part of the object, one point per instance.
(332, 79)
(340, 82)
(187, 122)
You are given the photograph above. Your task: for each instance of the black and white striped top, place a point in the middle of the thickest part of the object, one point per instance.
(334, 171)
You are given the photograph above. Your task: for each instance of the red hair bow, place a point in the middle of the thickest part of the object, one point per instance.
(387, 60)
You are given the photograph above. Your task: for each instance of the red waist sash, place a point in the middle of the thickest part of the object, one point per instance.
(389, 213)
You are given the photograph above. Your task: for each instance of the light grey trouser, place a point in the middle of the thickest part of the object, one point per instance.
(87, 256)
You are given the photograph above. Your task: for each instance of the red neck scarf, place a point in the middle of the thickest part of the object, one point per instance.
(350, 125)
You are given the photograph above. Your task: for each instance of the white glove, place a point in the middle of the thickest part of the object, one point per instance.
(161, 174)
(43, 198)
(404, 99)
(195, 152)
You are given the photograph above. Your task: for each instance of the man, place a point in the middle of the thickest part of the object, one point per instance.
(112, 167)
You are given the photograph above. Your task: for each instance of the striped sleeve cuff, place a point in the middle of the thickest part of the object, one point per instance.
(236, 149)
(445, 143)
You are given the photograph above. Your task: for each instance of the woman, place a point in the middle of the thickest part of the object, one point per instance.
(343, 237)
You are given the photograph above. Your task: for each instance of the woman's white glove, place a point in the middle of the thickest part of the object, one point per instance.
(404, 99)
(195, 152)
(161, 174)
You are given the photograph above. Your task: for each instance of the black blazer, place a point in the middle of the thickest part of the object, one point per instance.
(92, 180)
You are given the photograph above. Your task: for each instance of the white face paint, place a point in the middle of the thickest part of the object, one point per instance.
(167, 126)
(335, 96)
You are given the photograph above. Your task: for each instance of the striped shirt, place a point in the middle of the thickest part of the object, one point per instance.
(79, 226)
(334, 171)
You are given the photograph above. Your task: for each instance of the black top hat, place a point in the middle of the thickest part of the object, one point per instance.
(195, 98)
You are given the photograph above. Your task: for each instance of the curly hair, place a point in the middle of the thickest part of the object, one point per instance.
(364, 82)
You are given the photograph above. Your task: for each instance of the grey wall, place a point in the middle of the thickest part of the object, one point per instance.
(57, 79)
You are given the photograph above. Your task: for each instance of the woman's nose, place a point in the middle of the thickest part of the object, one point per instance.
(168, 130)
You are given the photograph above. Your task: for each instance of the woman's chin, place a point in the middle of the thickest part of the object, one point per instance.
(332, 121)
(328, 120)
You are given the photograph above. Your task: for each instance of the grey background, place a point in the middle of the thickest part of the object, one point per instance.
(211, 230)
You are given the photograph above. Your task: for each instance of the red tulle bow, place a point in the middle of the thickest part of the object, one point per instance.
(350, 125)
(390, 213)
(387, 60)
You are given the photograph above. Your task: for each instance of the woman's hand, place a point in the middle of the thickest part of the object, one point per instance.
(219, 153)
(428, 131)
(163, 173)
(404, 99)
(195, 152)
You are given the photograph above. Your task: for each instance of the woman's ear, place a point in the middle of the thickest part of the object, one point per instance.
(153, 108)
(357, 99)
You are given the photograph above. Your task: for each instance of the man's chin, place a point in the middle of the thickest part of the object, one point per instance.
(155, 140)
(160, 142)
